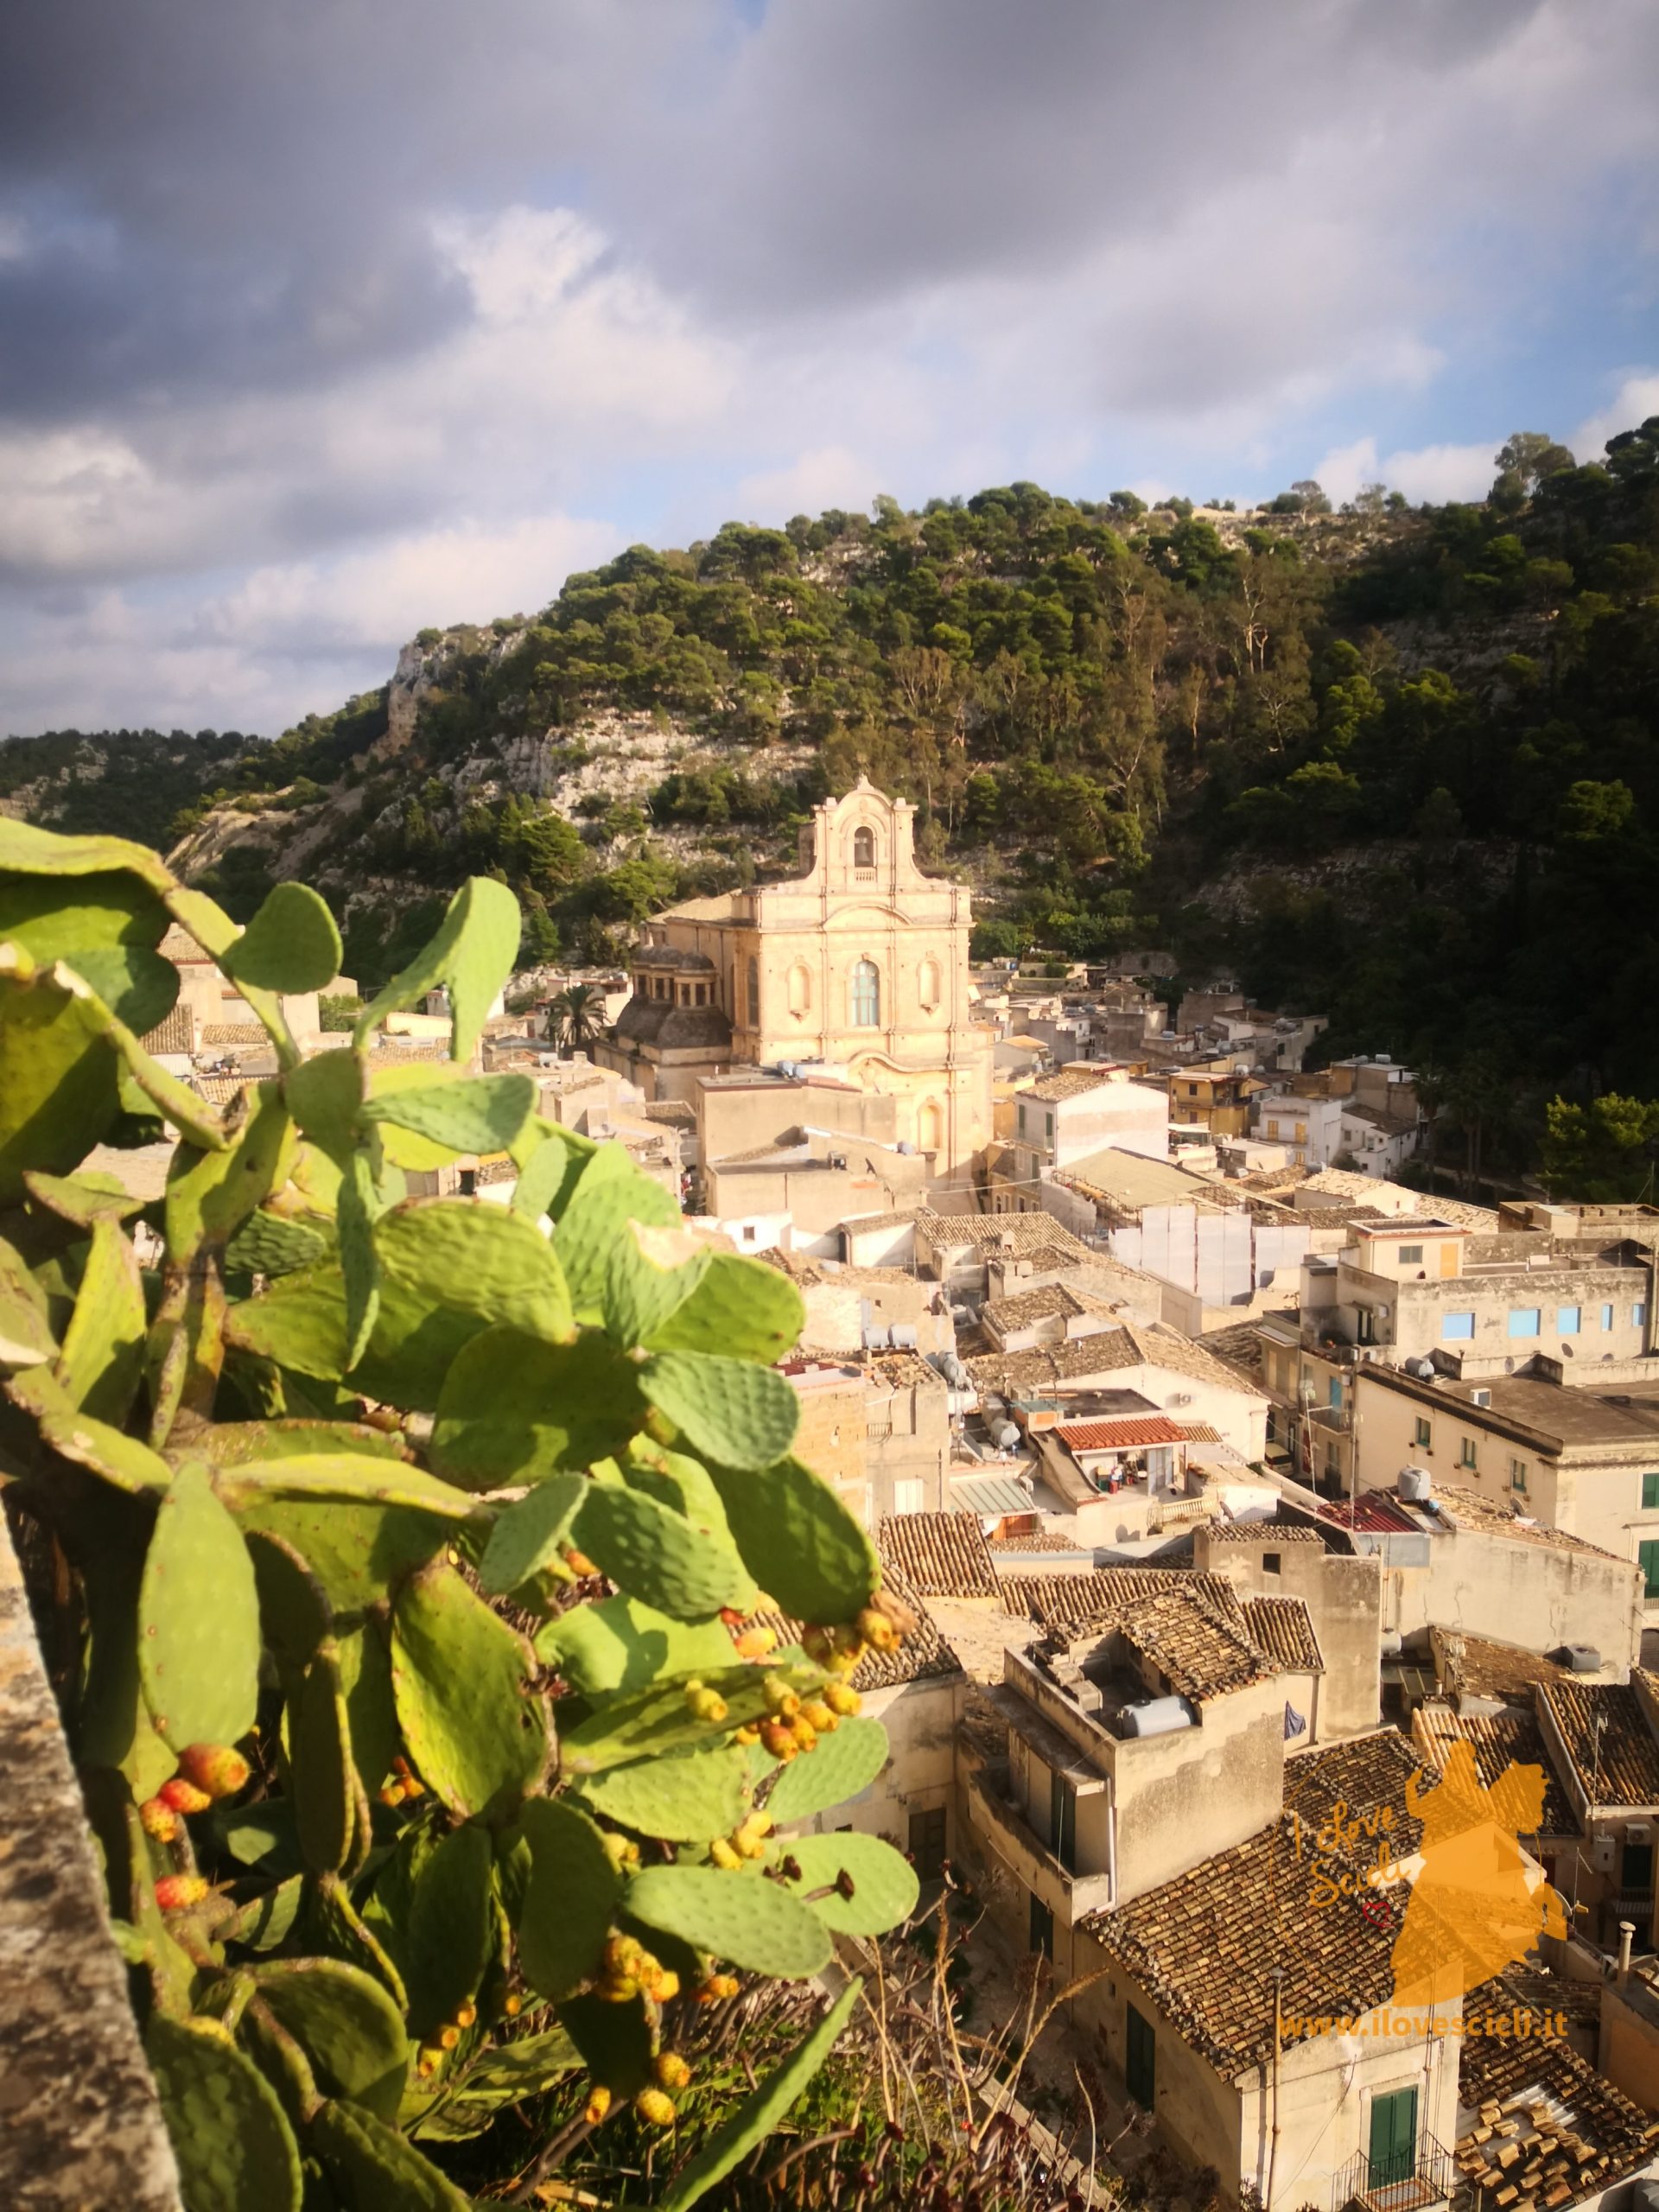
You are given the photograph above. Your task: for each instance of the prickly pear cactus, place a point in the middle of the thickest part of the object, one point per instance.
(410, 1542)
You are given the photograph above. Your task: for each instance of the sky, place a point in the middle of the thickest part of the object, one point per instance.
(323, 322)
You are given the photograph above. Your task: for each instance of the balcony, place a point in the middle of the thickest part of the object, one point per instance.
(1018, 1844)
(1414, 2184)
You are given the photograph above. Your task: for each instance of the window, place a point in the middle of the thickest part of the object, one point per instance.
(863, 849)
(1192, 1089)
(1394, 2140)
(908, 1497)
(1456, 1326)
(1422, 1436)
(927, 1843)
(1140, 2057)
(754, 992)
(1648, 1555)
(1606, 1316)
(1568, 1319)
(1524, 1320)
(1271, 1562)
(1466, 1452)
(1411, 1255)
(1639, 1316)
(1518, 1476)
(702, 993)
(748, 1232)
(1638, 1869)
(867, 995)
(468, 1182)
(1333, 1391)
(1650, 1493)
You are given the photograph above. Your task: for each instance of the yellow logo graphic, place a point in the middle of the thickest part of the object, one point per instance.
(1475, 1907)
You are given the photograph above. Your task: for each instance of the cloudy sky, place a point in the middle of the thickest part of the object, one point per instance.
(325, 319)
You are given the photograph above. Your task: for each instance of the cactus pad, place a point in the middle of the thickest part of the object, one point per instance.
(292, 944)
(840, 1764)
(755, 2118)
(235, 2150)
(651, 1273)
(572, 1896)
(482, 1114)
(620, 1644)
(355, 1551)
(530, 1534)
(741, 1308)
(462, 1680)
(103, 1358)
(800, 1542)
(346, 2024)
(198, 1619)
(320, 1761)
(742, 1917)
(549, 1158)
(365, 1677)
(616, 2041)
(356, 1478)
(884, 1884)
(726, 1409)
(374, 2170)
(471, 956)
(644, 1722)
(294, 1610)
(657, 1555)
(514, 1410)
(687, 1797)
(450, 1927)
(612, 1191)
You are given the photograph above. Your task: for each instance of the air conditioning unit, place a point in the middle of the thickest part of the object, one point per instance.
(1182, 1398)
(1638, 1831)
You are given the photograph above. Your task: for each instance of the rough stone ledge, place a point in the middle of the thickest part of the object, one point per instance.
(80, 2130)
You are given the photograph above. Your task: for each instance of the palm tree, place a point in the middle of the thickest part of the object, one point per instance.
(575, 1017)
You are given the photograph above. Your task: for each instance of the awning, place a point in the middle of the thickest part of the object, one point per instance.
(998, 1493)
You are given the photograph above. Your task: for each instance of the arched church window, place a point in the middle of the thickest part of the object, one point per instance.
(754, 992)
(863, 849)
(867, 995)
(927, 985)
(800, 989)
(929, 1126)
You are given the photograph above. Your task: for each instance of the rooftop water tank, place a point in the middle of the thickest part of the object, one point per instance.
(1158, 1716)
(904, 1336)
(1415, 1483)
(1005, 1435)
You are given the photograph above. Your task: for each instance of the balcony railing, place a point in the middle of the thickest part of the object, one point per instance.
(1426, 2177)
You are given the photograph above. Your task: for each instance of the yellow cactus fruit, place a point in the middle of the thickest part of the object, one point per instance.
(821, 1717)
(427, 2064)
(724, 1855)
(664, 1987)
(745, 1735)
(672, 2070)
(513, 2005)
(781, 1701)
(465, 2015)
(718, 1986)
(818, 1643)
(391, 1793)
(579, 1563)
(875, 1628)
(755, 1643)
(842, 1698)
(707, 1705)
(804, 1734)
(654, 2108)
(776, 1738)
(598, 2104)
(449, 2037)
(616, 1848)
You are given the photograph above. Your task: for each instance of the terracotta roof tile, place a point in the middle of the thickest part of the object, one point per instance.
(942, 1555)
(1614, 1764)
(1496, 1738)
(1119, 1436)
(1110, 1594)
(1537, 2095)
(177, 1033)
(233, 1033)
(1206, 1946)
(922, 1656)
(1476, 1666)
(1069, 1082)
(1052, 1302)
(1271, 1533)
(1021, 1233)
(1466, 1509)
(1283, 1627)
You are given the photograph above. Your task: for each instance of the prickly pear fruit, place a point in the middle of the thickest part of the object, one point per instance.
(842, 1698)
(718, 1986)
(662, 1986)
(178, 1892)
(776, 1738)
(159, 1819)
(821, 1716)
(672, 2070)
(804, 1734)
(781, 1701)
(215, 1768)
(754, 1642)
(599, 2103)
(705, 1705)
(876, 1628)
(466, 2014)
(183, 1797)
(654, 2108)
(724, 1855)
(747, 1735)
(580, 1564)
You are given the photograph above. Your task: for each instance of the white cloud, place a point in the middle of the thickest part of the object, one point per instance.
(1430, 472)
(826, 476)
(1638, 398)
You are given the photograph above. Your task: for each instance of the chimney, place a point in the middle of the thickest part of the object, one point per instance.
(1626, 1937)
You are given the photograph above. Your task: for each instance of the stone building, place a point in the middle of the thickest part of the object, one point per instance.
(860, 965)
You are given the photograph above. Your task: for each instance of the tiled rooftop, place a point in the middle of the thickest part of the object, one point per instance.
(942, 1555)
(1119, 1436)
(1495, 1739)
(1070, 1083)
(1130, 1345)
(1283, 1627)
(1476, 1666)
(1207, 1945)
(1270, 1534)
(1053, 1301)
(1190, 1644)
(1616, 1764)
(1548, 2129)
(234, 1032)
(177, 1033)
(1020, 1233)
(1467, 1509)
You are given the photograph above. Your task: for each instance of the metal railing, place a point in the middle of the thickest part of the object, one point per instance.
(1425, 2178)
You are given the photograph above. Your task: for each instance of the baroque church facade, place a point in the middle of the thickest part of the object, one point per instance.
(858, 966)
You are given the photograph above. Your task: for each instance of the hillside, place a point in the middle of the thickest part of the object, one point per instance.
(1398, 764)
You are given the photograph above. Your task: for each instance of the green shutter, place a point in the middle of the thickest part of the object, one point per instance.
(1394, 2137)
(1648, 1555)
